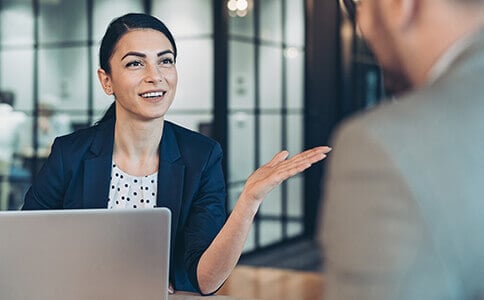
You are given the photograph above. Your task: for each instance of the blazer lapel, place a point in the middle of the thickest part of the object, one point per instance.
(97, 167)
(171, 173)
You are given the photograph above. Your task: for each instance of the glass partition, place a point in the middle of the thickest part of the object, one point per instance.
(266, 108)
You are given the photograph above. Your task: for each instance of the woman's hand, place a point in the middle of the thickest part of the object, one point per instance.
(223, 253)
(270, 175)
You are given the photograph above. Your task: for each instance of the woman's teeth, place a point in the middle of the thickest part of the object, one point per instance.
(153, 94)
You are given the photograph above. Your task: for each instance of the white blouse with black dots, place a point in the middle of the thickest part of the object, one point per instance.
(128, 191)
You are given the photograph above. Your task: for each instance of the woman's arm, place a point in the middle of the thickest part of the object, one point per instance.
(218, 261)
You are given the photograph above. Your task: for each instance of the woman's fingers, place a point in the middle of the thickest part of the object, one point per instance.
(283, 169)
(304, 159)
(281, 156)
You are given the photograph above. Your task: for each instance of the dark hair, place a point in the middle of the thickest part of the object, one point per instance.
(117, 29)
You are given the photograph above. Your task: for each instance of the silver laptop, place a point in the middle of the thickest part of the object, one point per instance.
(85, 254)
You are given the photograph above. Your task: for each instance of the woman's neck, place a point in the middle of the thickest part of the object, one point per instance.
(136, 146)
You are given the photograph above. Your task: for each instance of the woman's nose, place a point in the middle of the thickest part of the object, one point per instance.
(154, 74)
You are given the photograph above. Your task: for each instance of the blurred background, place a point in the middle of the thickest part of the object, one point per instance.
(256, 75)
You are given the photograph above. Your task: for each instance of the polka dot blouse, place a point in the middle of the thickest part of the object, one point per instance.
(128, 191)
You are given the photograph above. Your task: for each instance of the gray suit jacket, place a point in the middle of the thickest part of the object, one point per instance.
(403, 213)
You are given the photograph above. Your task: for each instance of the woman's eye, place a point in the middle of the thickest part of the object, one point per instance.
(167, 61)
(133, 64)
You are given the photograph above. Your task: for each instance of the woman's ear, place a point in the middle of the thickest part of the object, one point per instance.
(105, 81)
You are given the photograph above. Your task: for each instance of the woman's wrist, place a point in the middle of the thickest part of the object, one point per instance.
(248, 205)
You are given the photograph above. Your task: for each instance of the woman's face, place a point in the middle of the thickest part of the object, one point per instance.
(143, 75)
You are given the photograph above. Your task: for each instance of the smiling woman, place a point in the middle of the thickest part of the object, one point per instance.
(133, 158)
(143, 76)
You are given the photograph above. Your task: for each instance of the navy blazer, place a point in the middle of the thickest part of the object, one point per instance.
(190, 183)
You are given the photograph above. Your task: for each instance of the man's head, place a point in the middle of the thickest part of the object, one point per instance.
(408, 36)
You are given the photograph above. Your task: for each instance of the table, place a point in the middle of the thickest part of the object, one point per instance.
(262, 283)
(192, 296)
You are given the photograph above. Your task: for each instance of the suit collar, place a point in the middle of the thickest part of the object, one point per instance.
(104, 139)
(97, 167)
(171, 176)
(465, 54)
(169, 148)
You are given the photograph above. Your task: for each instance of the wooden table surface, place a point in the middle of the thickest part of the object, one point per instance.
(269, 284)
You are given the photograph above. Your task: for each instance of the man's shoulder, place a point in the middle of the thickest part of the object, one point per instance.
(407, 114)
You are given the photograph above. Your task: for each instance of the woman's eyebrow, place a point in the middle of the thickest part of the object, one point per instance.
(139, 54)
(165, 52)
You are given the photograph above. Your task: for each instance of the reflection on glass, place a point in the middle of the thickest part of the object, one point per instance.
(16, 69)
(62, 21)
(294, 23)
(272, 205)
(270, 136)
(241, 22)
(271, 232)
(295, 197)
(271, 20)
(270, 66)
(63, 74)
(295, 78)
(239, 8)
(185, 17)
(101, 100)
(241, 75)
(195, 75)
(50, 122)
(241, 145)
(106, 10)
(295, 133)
(295, 229)
(16, 23)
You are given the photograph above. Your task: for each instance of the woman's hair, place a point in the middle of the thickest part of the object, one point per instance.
(115, 31)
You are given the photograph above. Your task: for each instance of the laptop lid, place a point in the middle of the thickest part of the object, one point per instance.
(85, 254)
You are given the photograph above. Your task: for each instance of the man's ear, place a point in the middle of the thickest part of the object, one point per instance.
(105, 81)
(403, 13)
(408, 13)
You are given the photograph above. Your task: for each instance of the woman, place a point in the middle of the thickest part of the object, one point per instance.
(134, 158)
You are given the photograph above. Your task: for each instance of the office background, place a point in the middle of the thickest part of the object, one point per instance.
(258, 76)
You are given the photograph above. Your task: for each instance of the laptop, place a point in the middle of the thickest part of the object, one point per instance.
(85, 254)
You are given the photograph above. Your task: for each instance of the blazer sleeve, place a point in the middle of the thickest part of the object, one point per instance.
(207, 213)
(375, 241)
(48, 188)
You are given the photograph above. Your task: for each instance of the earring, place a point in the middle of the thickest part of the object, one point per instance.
(108, 90)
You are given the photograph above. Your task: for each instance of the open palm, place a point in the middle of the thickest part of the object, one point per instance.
(267, 177)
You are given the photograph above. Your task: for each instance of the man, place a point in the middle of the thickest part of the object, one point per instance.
(404, 203)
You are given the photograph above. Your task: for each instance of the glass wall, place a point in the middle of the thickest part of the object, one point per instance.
(266, 107)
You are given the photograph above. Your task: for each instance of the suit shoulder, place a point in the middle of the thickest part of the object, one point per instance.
(79, 139)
